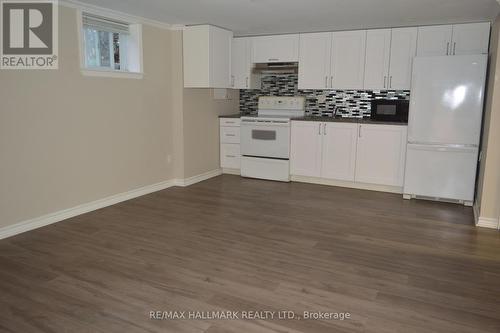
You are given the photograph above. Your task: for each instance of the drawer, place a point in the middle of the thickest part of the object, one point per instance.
(230, 157)
(230, 135)
(230, 122)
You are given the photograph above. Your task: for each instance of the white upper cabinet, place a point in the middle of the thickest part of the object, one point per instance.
(348, 59)
(457, 39)
(473, 38)
(403, 50)
(378, 50)
(339, 151)
(314, 60)
(240, 63)
(434, 40)
(305, 148)
(207, 57)
(277, 48)
(381, 154)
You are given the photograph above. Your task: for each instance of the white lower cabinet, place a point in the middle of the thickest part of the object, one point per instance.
(339, 151)
(381, 154)
(306, 148)
(359, 153)
(323, 150)
(230, 156)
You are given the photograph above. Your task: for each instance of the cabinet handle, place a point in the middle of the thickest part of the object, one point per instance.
(246, 82)
(331, 81)
(326, 81)
(448, 48)
(319, 129)
(324, 129)
(231, 156)
(232, 80)
(230, 134)
(273, 59)
(385, 80)
(359, 132)
(390, 81)
(454, 47)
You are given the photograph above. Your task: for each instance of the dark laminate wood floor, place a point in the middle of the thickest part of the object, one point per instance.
(238, 244)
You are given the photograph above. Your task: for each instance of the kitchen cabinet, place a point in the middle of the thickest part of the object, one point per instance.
(314, 60)
(457, 39)
(306, 148)
(323, 149)
(339, 151)
(230, 156)
(381, 154)
(277, 48)
(403, 50)
(434, 40)
(389, 58)
(348, 59)
(241, 65)
(332, 60)
(207, 57)
(378, 53)
(472, 38)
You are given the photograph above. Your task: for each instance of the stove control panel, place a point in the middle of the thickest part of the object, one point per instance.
(282, 103)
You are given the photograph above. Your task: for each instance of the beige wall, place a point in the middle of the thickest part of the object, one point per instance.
(67, 139)
(488, 196)
(201, 129)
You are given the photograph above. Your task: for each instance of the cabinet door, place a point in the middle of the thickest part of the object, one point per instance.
(230, 157)
(381, 153)
(471, 38)
(305, 155)
(314, 60)
(403, 49)
(277, 48)
(240, 63)
(378, 49)
(434, 40)
(339, 151)
(220, 57)
(348, 59)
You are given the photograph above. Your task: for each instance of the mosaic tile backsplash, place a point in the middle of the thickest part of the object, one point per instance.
(350, 103)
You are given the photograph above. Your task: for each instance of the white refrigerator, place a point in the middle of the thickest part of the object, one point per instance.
(444, 127)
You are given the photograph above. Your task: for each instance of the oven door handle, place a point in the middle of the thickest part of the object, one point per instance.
(263, 124)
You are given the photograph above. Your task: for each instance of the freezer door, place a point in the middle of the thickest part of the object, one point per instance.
(441, 171)
(446, 103)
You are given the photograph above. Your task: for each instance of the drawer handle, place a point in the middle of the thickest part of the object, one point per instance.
(230, 134)
(231, 156)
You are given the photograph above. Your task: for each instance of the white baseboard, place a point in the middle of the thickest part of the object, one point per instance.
(349, 184)
(486, 222)
(61, 215)
(229, 171)
(198, 178)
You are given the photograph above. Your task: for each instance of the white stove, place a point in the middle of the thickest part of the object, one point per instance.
(265, 138)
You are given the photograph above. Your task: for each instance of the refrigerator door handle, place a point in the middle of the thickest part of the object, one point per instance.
(443, 147)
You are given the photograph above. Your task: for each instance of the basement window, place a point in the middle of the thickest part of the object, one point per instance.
(110, 47)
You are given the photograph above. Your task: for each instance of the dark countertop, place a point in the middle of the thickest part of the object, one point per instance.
(349, 120)
(332, 119)
(236, 115)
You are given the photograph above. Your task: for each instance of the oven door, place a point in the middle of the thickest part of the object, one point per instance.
(261, 138)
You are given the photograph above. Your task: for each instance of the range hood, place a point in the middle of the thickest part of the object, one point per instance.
(276, 68)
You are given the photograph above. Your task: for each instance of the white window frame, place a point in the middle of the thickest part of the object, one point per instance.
(134, 51)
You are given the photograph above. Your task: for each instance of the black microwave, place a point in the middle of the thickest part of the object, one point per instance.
(390, 110)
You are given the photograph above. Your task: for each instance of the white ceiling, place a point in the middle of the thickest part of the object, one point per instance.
(254, 17)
